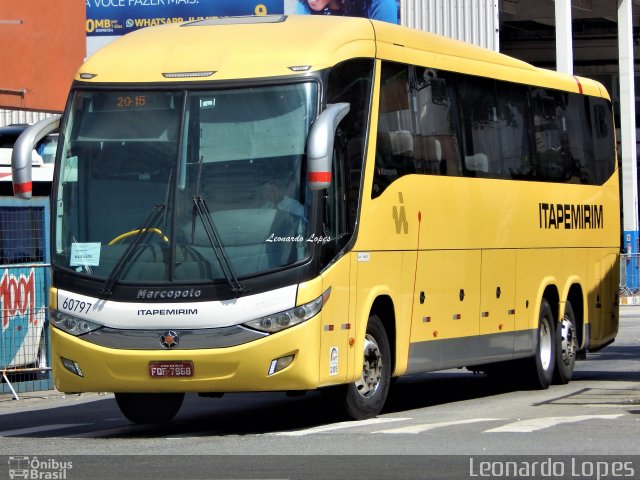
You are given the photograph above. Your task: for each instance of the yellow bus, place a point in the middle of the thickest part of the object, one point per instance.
(288, 203)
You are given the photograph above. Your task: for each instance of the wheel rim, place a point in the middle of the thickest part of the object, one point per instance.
(545, 344)
(371, 368)
(568, 341)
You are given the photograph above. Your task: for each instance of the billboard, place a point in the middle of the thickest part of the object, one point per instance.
(109, 19)
(118, 17)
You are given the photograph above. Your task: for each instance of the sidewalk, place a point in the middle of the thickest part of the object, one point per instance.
(44, 399)
(630, 300)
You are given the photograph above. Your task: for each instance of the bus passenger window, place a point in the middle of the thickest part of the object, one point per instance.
(603, 142)
(436, 120)
(550, 127)
(580, 142)
(513, 118)
(480, 127)
(394, 146)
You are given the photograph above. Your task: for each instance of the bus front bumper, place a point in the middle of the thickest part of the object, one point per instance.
(242, 368)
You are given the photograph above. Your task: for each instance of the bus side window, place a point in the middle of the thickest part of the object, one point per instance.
(480, 127)
(550, 127)
(400, 148)
(580, 139)
(603, 151)
(513, 117)
(436, 121)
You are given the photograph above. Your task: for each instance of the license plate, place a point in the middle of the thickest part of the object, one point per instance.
(171, 369)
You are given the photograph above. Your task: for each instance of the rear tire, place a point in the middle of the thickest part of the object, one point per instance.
(566, 346)
(149, 408)
(539, 369)
(366, 397)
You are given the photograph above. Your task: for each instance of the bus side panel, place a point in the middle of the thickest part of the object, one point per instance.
(337, 324)
(497, 308)
(446, 324)
(536, 269)
(378, 274)
(601, 322)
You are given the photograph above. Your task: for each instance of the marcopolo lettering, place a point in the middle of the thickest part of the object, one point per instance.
(568, 216)
(175, 294)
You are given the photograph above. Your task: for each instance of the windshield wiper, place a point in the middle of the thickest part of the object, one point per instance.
(114, 275)
(216, 243)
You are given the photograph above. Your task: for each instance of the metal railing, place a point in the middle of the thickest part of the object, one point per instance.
(629, 274)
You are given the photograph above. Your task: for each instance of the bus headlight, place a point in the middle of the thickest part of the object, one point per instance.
(288, 318)
(70, 324)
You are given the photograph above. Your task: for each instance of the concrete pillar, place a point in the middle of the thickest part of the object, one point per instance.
(628, 139)
(564, 38)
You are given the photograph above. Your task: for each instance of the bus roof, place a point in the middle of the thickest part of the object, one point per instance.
(272, 46)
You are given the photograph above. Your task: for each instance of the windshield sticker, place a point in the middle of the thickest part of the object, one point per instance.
(85, 254)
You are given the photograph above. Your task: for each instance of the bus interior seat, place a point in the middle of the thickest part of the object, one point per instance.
(478, 163)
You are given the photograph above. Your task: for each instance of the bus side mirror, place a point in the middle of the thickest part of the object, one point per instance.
(21, 154)
(320, 145)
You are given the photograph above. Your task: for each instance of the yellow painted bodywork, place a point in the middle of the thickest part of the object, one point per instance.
(461, 234)
(241, 368)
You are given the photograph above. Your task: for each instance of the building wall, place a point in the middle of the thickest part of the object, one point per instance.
(43, 44)
(472, 21)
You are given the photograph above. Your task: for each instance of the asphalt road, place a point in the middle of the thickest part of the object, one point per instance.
(450, 424)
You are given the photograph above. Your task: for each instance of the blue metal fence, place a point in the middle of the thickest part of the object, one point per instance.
(24, 298)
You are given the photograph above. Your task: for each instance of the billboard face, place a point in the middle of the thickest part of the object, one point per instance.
(118, 17)
(383, 10)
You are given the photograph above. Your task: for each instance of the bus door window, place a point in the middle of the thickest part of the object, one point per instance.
(349, 82)
(335, 226)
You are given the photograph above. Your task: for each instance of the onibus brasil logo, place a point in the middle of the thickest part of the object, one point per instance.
(35, 468)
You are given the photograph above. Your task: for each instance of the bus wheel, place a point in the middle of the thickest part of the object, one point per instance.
(366, 397)
(566, 346)
(542, 365)
(149, 408)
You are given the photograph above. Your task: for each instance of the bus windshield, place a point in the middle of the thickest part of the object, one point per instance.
(184, 185)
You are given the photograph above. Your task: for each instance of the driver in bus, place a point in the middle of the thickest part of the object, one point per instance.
(275, 194)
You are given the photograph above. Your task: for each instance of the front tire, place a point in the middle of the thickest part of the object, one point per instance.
(566, 346)
(149, 408)
(366, 397)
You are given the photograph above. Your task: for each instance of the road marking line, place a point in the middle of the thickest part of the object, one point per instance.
(337, 426)
(533, 424)
(413, 429)
(42, 428)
